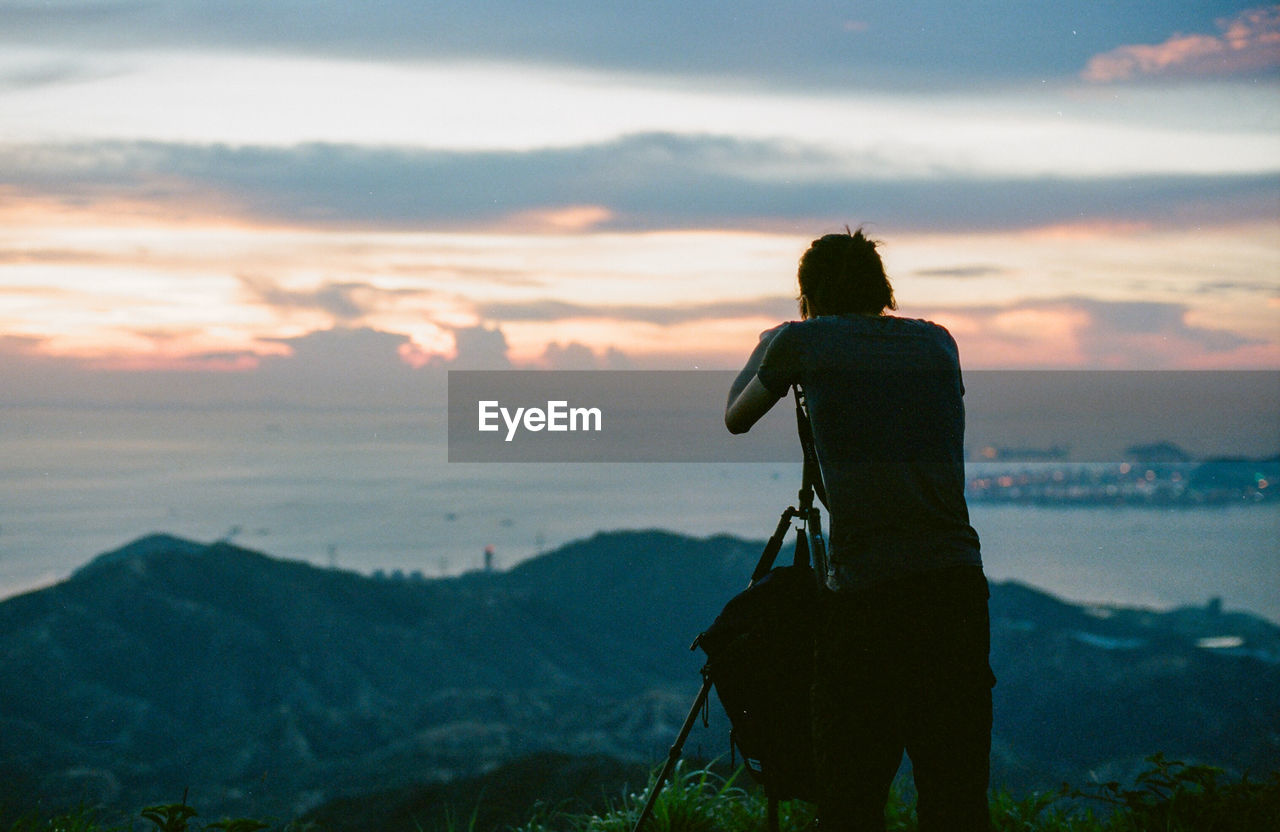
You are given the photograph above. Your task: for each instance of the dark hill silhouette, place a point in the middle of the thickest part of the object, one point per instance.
(270, 686)
(507, 797)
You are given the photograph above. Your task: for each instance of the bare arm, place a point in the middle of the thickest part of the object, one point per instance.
(744, 411)
(749, 399)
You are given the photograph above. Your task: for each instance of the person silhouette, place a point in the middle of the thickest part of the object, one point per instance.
(902, 646)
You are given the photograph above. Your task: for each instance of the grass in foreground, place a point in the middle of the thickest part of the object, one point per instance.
(1168, 796)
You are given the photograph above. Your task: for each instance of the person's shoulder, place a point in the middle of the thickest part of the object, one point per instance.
(921, 326)
(939, 339)
(913, 323)
(816, 325)
(790, 333)
(773, 331)
(824, 326)
(783, 357)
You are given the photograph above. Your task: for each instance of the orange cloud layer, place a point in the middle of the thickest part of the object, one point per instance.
(1249, 42)
(98, 293)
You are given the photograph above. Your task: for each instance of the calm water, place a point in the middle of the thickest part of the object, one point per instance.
(372, 490)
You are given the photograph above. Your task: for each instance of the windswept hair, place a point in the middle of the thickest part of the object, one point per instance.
(843, 273)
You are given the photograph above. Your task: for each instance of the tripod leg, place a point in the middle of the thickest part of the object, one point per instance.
(674, 754)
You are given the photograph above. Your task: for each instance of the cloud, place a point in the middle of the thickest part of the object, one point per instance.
(1091, 333)
(44, 73)
(575, 355)
(1149, 334)
(22, 355)
(338, 350)
(962, 271)
(640, 182)
(342, 301)
(546, 311)
(337, 367)
(1249, 43)
(804, 45)
(565, 219)
(321, 368)
(570, 356)
(480, 347)
(1256, 287)
(362, 366)
(345, 302)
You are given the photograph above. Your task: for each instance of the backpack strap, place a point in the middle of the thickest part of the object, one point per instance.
(812, 483)
(812, 470)
(810, 549)
(771, 549)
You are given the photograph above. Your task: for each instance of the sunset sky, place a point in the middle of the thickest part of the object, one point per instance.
(274, 196)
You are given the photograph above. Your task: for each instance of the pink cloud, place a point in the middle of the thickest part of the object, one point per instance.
(1249, 42)
(1087, 333)
(568, 218)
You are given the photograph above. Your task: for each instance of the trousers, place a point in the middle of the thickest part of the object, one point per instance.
(903, 666)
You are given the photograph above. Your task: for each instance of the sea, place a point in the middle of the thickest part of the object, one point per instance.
(371, 490)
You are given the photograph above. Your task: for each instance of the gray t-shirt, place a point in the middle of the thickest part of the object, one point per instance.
(885, 398)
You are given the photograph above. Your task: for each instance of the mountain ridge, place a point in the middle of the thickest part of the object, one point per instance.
(272, 686)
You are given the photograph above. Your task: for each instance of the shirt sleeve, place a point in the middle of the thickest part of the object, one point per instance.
(953, 353)
(780, 367)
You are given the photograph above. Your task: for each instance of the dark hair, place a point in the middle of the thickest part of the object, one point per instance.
(843, 273)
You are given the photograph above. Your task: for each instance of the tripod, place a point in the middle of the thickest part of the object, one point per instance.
(810, 549)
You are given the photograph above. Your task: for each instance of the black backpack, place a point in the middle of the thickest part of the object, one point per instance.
(760, 662)
(760, 648)
(760, 655)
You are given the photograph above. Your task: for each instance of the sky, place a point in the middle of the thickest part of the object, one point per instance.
(325, 201)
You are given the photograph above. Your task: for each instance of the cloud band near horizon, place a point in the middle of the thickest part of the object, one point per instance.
(641, 182)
